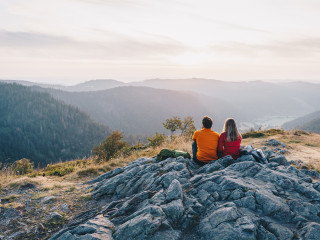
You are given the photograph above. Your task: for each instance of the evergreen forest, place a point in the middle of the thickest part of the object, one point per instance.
(35, 126)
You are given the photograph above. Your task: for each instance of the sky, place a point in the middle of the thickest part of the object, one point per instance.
(72, 41)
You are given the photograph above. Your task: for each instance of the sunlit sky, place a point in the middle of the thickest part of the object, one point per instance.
(71, 41)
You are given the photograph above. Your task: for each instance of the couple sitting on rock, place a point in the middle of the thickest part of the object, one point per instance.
(209, 146)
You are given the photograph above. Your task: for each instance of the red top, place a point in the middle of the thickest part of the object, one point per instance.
(229, 148)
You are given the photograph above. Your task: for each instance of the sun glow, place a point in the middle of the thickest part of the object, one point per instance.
(191, 58)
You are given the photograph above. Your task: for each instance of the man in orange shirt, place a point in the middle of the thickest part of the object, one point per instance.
(205, 143)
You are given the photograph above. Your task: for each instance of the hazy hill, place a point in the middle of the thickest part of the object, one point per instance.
(310, 122)
(92, 85)
(258, 98)
(95, 85)
(36, 126)
(141, 110)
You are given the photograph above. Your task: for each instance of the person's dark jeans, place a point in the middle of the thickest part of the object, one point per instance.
(194, 153)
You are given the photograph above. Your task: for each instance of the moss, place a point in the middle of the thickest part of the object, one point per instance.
(162, 172)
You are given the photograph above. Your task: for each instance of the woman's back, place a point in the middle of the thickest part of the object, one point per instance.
(229, 147)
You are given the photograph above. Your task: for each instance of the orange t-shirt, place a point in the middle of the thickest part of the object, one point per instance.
(207, 143)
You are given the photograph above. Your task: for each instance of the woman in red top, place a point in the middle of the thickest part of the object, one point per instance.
(229, 140)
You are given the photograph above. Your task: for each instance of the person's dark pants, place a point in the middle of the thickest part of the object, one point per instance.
(194, 153)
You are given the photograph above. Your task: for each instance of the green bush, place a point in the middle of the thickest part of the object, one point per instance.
(157, 140)
(262, 133)
(253, 134)
(23, 166)
(273, 131)
(110, 147)
(59, 170)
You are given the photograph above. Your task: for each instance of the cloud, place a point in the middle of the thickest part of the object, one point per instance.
(115, 47)
(28, 39)
(297, 48)
(114, 3)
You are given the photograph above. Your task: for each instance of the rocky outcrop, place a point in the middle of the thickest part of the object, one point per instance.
(226, 199)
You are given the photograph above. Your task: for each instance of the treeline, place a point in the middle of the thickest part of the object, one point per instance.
(36, 126)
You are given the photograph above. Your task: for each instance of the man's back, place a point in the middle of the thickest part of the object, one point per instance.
(207, 144)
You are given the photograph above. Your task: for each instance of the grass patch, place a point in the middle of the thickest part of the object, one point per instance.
(10, 198)
(253, 134)
(59, 170)
(38, 195)
(309, 167)
(300, 132)
(23, 183)
(71, 189)
(294, 141)
(86, 197)
(90, 172)
(311, 145)
(262, 133)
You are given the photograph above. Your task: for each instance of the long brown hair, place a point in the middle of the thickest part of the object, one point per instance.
(230, 128)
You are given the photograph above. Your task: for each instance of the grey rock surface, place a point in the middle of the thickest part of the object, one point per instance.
(225, 199)
(48, 199)
(55, 217)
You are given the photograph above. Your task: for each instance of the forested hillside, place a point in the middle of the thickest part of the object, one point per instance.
(310, 122)
(36, 126)
(142, 110)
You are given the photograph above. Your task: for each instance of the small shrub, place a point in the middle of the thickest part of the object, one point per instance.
(253, 134)
(300, 132)
(33, 175)
(110, 147)
(273, 131)
(22, 167)
(59, 170)
(157, 140)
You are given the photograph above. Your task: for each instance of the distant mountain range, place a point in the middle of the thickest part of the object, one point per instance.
(310, 122)
(93, 85)
(141, 110)
(249, 102)
(254, 100)
(36, 126)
